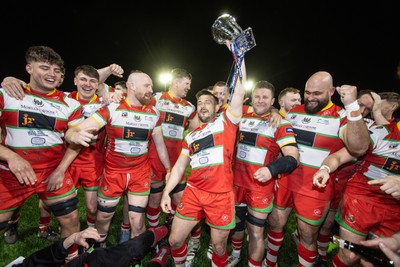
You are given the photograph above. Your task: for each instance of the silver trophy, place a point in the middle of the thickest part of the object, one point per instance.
(225, 28)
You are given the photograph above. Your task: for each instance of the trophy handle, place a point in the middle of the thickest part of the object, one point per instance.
(244, 42)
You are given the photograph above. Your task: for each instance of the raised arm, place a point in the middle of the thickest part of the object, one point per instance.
(236, 104)
(104, 73)
(356, 135)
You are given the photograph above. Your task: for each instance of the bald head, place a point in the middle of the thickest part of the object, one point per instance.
(140, 88)
(321, 79)
(318, 91)
(136, 76)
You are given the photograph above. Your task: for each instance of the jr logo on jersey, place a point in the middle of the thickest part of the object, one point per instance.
(247, 138)
(392, 165)
(305, 137)
(175, 119)
(202, 144)
(28, 119)
(131, 133)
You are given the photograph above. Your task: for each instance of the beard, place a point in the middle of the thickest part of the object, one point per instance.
(312, 110)
(143, 99)
(206, 117)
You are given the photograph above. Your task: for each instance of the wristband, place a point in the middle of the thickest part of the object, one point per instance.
(352, 106)
(350, 118)
(326, 167)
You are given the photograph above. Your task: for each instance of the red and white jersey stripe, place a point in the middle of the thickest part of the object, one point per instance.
(34, 127)
(129, 129)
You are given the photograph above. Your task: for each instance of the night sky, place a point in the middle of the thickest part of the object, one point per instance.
(357, 45)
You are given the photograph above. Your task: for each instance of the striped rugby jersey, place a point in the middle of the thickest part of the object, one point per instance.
(34, 127)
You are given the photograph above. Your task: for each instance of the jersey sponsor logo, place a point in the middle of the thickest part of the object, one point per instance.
(131, 133)
(203, 160)
(392, 165)
(36, 133)
(38, 102)
(55, 106)
(243, 151)
(247, 138)
(90, 109)
(174, 118)
(173, 133)
(306, 120)
(28, 119)
(304, 137)
(393, 146)
(323, 121)
(137, 118)
(203, 143)
(149, 118)
(38, 141)
(38, 109)
(135, 150)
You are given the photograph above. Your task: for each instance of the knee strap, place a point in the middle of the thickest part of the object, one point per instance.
(136, 209)
(64, 207)
(255, 221)
(106, 209)
(107, 205)
(3, 225)
(241, 214)
(178, 188)
(157, 189)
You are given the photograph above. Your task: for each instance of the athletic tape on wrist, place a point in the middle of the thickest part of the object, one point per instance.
(326, 167)
(350, 118)
(352, 106)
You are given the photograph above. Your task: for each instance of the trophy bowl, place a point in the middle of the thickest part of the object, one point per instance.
(225, 28)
